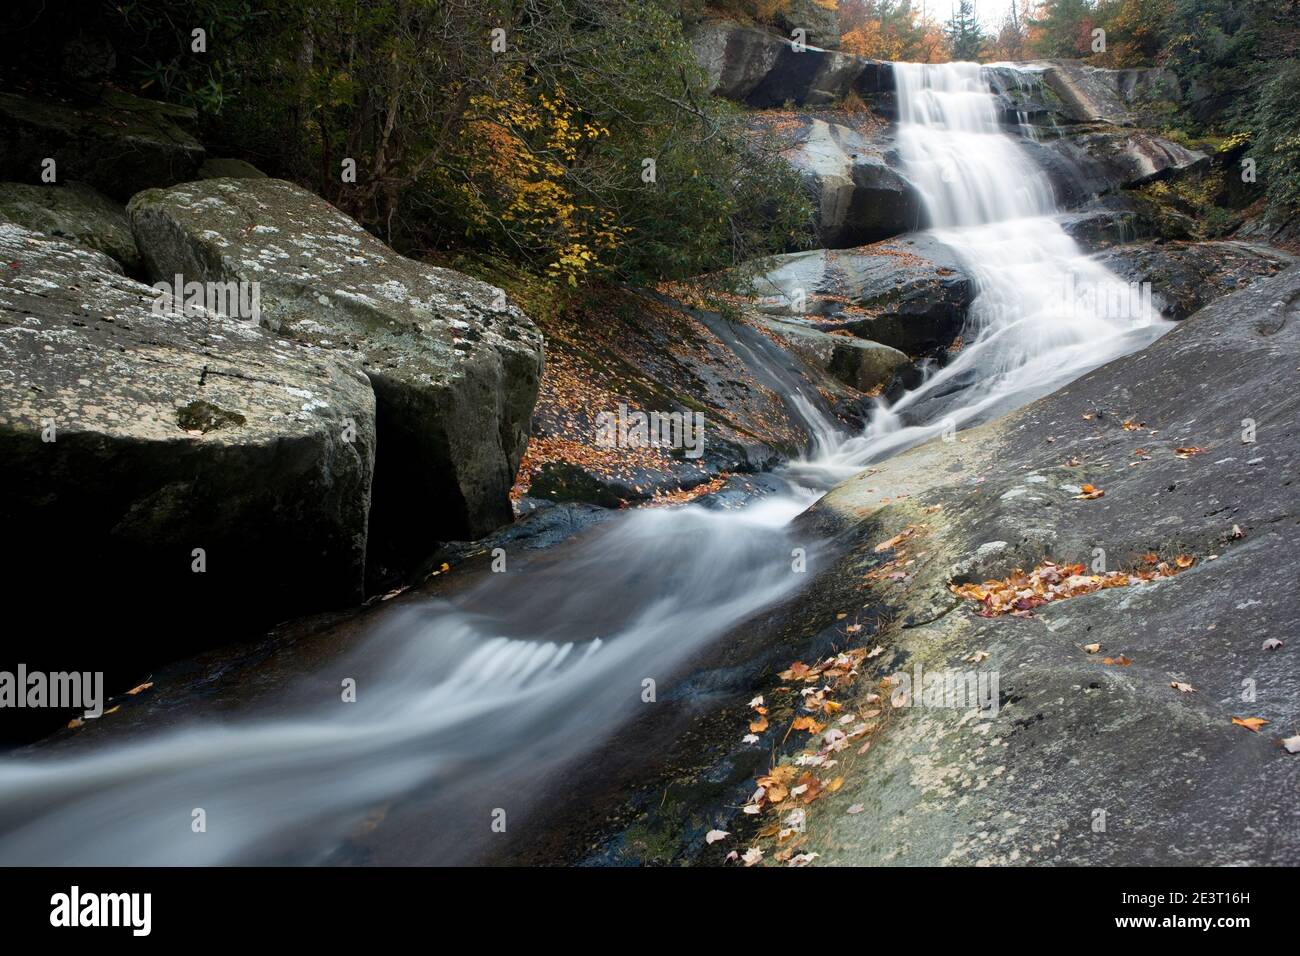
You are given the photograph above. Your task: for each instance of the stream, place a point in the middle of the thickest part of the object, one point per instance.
(471, 699)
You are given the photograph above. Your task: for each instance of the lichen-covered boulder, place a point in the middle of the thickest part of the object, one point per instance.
(75, 213)
(119, 144)
(454, 364)
(188, 477)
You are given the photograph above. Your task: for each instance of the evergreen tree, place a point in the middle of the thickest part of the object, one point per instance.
(965, 35)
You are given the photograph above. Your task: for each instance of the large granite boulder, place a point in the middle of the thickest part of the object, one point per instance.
(119, 144)
(132, 436)
(849, 176)
(756, 68)
(75, 213)
(909, 293)
(454, 364)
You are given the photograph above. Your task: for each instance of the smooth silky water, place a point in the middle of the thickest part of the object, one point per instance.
(524, 673)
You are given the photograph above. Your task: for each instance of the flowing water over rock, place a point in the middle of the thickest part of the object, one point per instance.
(1045, 312)
(465, 704)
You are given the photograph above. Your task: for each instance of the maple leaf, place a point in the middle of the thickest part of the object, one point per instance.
(1120, 661)
(758, 726)
(1272, 644)
(1250, 723)
(808, 724)
(752, 856)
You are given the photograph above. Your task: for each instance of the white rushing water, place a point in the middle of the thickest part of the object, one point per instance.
(464, 705)
(1044, 312)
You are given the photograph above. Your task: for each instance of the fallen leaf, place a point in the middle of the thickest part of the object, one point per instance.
(145, 686)
(858, 808)
(749, 739)
(808, 724)
(1272, 644)
(713, 836)
(1292, 744)
(758, 726)
(1250, 723)
(1092, 648)
(752, 856)
(757, 701)
(1120, 661)
(1088, 493)
(1180, 686)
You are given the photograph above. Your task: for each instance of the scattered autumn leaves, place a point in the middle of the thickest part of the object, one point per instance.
(787, 790)
(1020, 592)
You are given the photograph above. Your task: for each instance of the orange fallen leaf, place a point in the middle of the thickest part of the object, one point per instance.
(808, 724)
(143, 687)
(758, 726)
(1250, 723)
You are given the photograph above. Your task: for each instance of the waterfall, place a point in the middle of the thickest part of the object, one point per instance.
(1044, 312)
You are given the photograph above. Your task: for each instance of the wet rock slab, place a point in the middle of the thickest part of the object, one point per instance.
(908, 293)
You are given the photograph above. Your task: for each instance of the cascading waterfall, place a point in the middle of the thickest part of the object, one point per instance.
(466, 703)
(1044, 312)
